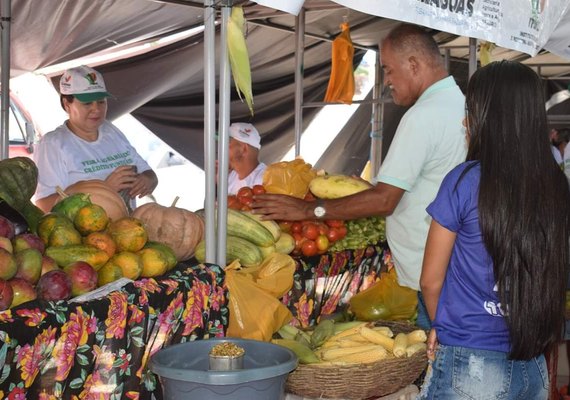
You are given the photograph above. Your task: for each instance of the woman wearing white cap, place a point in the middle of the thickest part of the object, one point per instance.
(245, 168)
(86, 146)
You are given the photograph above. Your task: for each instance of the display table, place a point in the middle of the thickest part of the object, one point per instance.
(323, 284)
(100, 349)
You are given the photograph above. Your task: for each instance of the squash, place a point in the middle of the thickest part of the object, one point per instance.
(102, 195)
(19, 179)
(178, 228)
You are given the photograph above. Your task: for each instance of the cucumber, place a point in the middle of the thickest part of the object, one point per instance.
(271, 225)
(237, 248)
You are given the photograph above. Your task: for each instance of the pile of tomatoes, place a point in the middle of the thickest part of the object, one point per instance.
(242, 201)
(314, 237)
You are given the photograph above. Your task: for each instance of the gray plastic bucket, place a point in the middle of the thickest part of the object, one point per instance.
(184, 372)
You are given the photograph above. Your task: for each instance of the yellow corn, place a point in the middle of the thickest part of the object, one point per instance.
(335, 353)
(376, 354)
(347, 332)
(415, 348)
(377, 337)
(355, 337)
(330, 343)
(417, 336)
(400, 345)
(344, 343)
(239, 57)
(384, 330)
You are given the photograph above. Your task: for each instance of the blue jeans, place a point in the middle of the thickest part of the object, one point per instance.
(463, 373)
(422, 320)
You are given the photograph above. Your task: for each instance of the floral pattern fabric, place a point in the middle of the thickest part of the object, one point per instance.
(322, 285)
(100, 349)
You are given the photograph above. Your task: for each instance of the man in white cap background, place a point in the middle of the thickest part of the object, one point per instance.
(87, 146)
(245, 168)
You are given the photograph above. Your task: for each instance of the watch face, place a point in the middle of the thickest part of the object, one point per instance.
(319, 211)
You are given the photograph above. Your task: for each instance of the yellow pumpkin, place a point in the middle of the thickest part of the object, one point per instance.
(178, 228)
(102, 195)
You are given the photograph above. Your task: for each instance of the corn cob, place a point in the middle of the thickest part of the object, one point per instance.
(323, 331)
(400, 345)
(348, 332)
(377, 337)
(343, 326)
(362, 357)
(304, 353)
(344, 343)
(355, 337)
(415, 348)
(384, 330)
(335, 353)
(239, 57)
(417, 336)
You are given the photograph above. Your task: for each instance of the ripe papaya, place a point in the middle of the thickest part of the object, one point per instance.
(70, 205)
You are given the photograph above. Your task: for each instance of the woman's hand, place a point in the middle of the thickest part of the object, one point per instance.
(144, 184)
(432, 344)
(122, 177)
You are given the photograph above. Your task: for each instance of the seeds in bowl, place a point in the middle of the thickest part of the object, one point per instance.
(227, 349)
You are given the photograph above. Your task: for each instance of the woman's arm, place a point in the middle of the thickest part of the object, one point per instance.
(436, 259)
(46, 203)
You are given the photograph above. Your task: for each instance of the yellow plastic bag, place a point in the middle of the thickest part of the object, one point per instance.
(289, 177)
(255, 309)
(341, 82)
(385, 299)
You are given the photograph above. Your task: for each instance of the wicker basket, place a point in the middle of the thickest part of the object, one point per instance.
(358, 381)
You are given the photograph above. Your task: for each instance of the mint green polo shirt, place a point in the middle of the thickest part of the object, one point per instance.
(429, 142)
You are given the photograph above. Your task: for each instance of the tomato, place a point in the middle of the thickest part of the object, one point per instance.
(246, 201)
(258, 189)
(334, 223)
(234, 203)
(245, 192)
(299, 240)
(322, 243)
(333, 235)
(309, 248)
(245, 208)
(310, 231)
(342, 231)
(323, 229)
(297, 227)
(285, 226)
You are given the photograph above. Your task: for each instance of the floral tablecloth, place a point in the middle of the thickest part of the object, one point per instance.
(100, 349)
(323, 284)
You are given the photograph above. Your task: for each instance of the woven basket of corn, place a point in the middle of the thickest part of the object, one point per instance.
(359, 380)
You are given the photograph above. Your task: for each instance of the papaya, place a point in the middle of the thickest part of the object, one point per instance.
(49, 222)
(166, 250)
(70, 205)
(63, 235)
(65, 255)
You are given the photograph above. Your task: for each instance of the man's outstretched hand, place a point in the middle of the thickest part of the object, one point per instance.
(282, 207)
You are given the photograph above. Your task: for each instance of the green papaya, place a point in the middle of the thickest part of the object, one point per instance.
(65, 255)
(70, 205)
(166, 251)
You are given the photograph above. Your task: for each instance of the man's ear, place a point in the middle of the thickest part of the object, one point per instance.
(414, 64)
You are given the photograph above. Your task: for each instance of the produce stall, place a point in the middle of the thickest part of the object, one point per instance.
(64, 349)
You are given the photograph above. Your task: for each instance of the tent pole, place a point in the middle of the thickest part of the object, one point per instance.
(377, 120)
(299, 72)
(6, 17)
(209, 127)
(223, 139)
(472, 56)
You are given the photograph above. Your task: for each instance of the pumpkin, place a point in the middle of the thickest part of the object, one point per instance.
(103, 195)
(178, 228)
(19, 177)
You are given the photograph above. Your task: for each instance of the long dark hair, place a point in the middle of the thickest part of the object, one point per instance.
(524, 203)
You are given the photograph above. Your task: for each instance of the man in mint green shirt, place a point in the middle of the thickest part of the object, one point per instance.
(429, 142)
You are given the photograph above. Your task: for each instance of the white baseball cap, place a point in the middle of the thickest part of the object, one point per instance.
(84, 83)
(245, 133)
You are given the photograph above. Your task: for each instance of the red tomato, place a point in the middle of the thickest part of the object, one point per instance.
(323, 229)
(245, 192)
(333, 235)
(234, 203)
(285, 226)
(297, 227)
(299, 240)
(342, 231)
(309, 248)
(311, 231)
(246, 201)
(245, 208)
(258, 189)
(322, 243)
(334, 223)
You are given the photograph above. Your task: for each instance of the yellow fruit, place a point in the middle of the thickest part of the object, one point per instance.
(129, 262)
(154, 263)
(108, 273)
(335, 186)
(91, 218)
(128, 233)
(62, 235)
(102, 241)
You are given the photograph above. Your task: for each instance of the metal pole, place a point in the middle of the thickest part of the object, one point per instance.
(472, 56)
(299, 73)
(223, 137)
(209, 127)
(5, 21)
(377, 120)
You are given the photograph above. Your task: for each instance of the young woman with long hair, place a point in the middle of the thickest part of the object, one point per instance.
(497, 255)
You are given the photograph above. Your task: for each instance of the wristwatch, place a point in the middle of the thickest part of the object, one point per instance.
(320, 210)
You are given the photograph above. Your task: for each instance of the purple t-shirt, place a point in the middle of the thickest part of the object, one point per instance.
(469, 313)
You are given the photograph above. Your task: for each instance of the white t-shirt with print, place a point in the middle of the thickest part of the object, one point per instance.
(254, 178)
(63, 158)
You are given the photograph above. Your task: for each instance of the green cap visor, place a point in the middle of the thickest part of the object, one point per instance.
(89, 97)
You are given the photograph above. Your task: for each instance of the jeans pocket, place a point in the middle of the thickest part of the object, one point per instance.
(481, 375)
(543, 370)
